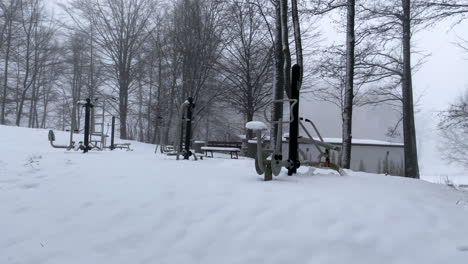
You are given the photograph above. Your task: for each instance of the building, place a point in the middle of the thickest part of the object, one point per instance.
(368, 155)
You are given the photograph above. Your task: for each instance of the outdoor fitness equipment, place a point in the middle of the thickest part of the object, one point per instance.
(183, 135)
(83, 145)
(272, 165)
(89, 142)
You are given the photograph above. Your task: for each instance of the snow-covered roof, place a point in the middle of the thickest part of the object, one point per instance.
(357, 141)
(362, 141)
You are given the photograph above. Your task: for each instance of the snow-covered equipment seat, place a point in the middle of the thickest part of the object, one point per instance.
(223, 146)
(256, 125)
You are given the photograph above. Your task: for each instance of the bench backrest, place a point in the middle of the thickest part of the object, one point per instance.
(224, 144)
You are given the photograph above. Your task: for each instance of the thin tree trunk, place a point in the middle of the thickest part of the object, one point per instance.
(5, 73)
(278, 92)
(285, 46)
(297, 39)
(409, 131)
(150, 106)
(123, 102)
(157, 125)
(347, 114)
(26, 86)
(140, 109)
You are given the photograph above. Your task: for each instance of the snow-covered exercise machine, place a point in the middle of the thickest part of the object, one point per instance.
(89, 142)
(272, 165)
(183, 137)
(82, 145)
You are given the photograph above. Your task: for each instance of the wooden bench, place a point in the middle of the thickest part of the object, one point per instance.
(223, 146)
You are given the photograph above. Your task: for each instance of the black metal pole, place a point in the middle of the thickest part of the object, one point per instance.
(88, 107)
(112, 133)
(294, 126)
(188, 128)
(181, 138)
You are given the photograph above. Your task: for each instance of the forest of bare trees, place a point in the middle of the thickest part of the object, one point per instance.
(233, 57)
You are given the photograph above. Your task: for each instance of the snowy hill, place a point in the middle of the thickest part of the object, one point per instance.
(140, 207)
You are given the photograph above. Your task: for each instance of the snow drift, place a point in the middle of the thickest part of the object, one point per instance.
(141, 207)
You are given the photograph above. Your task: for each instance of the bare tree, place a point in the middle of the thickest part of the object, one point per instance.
(247, 63)
(121, 27)
(453, 127)
(442, 9)
(31, 12)
(278, 88)
(437, 10)
(198, 45)
(323, 7)
(10, 13)
(409, 130)
(393, 24)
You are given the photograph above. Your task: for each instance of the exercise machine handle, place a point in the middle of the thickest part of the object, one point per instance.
(293, 103)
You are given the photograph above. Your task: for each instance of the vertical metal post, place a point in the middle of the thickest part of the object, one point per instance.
(294, 126)
(103, 117)
(188, 128)
(112, 133)
(73, 123)
(88, 107)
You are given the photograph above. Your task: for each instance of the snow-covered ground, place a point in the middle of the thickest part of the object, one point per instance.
(140, 207)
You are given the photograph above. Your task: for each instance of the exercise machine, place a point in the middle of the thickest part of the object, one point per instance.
(272, 164)
(89, 142)
(183, 138)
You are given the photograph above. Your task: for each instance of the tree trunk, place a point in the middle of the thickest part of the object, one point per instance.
(123, 100)
(347, 114)
(298, 40)
(249, 117)
(5, 73)
(409, 131)
(140, 109)
(285, 46)
(278, 92)
(158, 121)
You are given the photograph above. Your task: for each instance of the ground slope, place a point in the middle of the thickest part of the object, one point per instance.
(138, 207)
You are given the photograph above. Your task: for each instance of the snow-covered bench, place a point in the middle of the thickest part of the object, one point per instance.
(232, 147)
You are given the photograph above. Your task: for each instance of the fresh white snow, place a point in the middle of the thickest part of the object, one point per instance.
(61, 206)
(356, 141)
(256, 125)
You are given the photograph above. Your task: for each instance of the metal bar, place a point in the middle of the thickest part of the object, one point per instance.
(260, 150)
(294, 126)
(88, 107)
(315, 129)
(180, 127)
(311, 138)
(112, 147)
(103, 138)
(292, 102)
(188, 128)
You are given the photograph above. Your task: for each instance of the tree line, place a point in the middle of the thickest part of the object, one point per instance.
(233, 57)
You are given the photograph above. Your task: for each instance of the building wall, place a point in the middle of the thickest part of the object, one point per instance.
(367, 158)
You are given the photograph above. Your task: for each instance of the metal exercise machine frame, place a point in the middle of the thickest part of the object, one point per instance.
(183, 137)
(272, 165)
